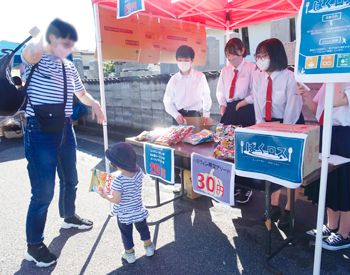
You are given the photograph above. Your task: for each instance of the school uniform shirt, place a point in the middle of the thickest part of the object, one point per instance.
(244, 83)
(189, 92)
(341, 115)
(47, 86)
(131, 208)
(286, 103)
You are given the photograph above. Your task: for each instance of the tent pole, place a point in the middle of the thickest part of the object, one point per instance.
(326, 145)
(102, 84)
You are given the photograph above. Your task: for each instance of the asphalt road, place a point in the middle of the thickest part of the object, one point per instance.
(191, 236)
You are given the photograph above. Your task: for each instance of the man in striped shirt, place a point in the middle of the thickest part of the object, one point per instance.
(48, 152)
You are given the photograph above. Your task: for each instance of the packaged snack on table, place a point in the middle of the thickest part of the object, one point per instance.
(186, 129)
(223, 131)
(202, 136)
(153, 135)
(169, 136)
(225, 149)
(143, 136)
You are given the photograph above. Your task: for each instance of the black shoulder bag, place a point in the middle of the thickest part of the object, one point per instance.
(50, 117)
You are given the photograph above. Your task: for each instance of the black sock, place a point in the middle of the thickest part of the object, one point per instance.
(287, 211)
(274, 207)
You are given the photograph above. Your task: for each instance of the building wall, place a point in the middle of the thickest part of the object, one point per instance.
(137, 102)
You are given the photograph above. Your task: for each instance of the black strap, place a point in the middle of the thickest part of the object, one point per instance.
(18, 47)
(64, 82)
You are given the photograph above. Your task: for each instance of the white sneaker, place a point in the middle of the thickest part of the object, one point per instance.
(177, 187)
(130, 257)
(149, 250)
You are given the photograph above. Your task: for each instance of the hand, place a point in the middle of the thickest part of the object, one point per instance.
(96, 110)
(302, 91)
(205, 120)
(223, 109)
(180, 119)
(104, 193)
(238, 106)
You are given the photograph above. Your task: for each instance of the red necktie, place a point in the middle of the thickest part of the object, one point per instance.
(320, 122)
(268, 99)
(233, 84)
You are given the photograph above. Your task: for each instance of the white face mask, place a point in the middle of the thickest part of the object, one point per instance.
(184, 66)
(61, 51)
(263, 65)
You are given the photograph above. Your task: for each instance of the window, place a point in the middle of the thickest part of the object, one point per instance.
(292, 29)
(245, 40)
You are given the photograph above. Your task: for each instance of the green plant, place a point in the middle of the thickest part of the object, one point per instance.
(109, 67)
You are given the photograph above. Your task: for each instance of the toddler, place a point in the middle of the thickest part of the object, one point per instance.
(126, 196)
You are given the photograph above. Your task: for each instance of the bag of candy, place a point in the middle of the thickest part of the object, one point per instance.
(202, 136)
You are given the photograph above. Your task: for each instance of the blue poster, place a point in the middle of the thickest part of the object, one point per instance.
(273, 156)
(323, 41)
(159, 162)
(128, 7)
(213, 178)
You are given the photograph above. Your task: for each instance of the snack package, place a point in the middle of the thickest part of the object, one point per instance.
(153, 135)
(100, 180)
(167, 138)
(186, 130)
(222, 131)
(143, 136)
(202, 136)
(225, 149)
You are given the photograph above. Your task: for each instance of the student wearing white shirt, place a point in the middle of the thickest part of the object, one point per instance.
(276, 99)
(235, 95)
(187, 91)
(336, 231)
(186, 94)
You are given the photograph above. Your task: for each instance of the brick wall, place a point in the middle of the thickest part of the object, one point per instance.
(137, 102)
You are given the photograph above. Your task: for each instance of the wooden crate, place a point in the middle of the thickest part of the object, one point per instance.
(188, 186)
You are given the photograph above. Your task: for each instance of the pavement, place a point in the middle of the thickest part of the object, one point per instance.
(198, 236)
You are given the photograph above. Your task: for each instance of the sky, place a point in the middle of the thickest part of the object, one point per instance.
(19, 16)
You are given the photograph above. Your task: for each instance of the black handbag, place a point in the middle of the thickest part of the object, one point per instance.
(50, 117)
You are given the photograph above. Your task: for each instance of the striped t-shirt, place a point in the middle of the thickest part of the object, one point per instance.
(46, 85)
(131, 208)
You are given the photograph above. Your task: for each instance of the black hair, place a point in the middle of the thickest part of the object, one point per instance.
(233, 45)
(17, 80)
(276, 52)
(61, 29)
(184, 52)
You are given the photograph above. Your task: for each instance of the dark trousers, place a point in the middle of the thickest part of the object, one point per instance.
(126, 232)
(184, 113)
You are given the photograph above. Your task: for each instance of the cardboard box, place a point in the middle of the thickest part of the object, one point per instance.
(312, 143)
(188, 186)
(199, 123)
(2, 131)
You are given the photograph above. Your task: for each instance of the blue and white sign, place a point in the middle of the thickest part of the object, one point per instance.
(128, 7)
(269, 155)
(323, 41)
(213, 178)
(159, 162)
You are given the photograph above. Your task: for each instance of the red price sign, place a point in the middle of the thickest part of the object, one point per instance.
(154, 170)
(210, 184)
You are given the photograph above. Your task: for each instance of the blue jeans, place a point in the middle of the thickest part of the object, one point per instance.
(45, 153)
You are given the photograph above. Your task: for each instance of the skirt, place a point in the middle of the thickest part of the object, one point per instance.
(245, 115)
(338, 183)
(301, 119)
